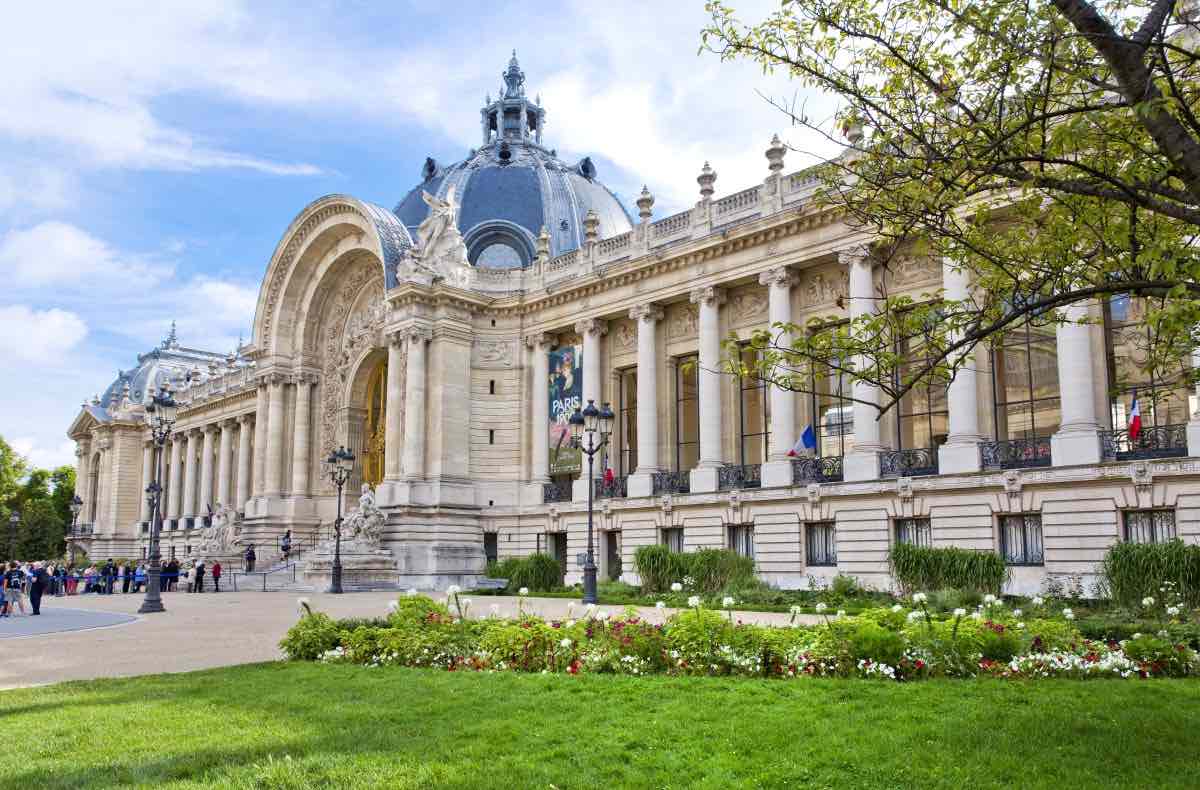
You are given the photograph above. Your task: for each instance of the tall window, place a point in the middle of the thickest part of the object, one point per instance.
(820, 541)
(914, 531)
(741, 539)
(1149, 526)
(1021, 539)
(491, 547)
(1128, 340)
(1025, 383)
(687, 413)
(754, 429)
(93, 488)
(923, 417)
(628, 420)
(832, 409)
(672, 538)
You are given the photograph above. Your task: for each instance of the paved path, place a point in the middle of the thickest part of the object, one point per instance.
(54, 620)
(208, 630)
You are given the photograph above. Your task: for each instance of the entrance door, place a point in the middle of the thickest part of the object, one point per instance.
(612, 554)
(557, 545)
(491, 549)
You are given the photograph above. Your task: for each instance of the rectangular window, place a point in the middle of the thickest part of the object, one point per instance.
(672, 538)
(1164, 398)
(491, 386)
(1021, 539)
(755, 420)
(914, 531)
(627, 420)
(491, 549)
(832, 409)
(687, 413)
(1025, 383)
(1149, 526)
(820, 543)
(491, 436)
(741, 539)
(923, 417)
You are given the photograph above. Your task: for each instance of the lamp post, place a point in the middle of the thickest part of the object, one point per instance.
(76, 506)
(160, 419)
(585, 425)
(338, 466)
(14, 519)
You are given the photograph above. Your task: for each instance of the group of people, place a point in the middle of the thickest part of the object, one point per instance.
(19, 581)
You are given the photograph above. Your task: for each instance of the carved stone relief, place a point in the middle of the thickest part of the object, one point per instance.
(684, 320)
(494, 354)
(825, 286)
(911, 271)
(748, 306)
(624, 336)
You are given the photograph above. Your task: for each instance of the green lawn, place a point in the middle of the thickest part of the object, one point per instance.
(308, 725)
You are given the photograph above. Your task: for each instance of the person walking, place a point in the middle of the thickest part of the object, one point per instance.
(37, 587)
(198, 584)
(250, 558)
(110, 577)
(172, 575)
(126, 577)
(216, 576)
(285, 545)
(13, 579)
(187, 577)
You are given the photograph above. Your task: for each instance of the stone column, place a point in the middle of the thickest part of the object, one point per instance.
(243, 462)
(82, 458)
(206, 471)
(862, 463)
(960, 453)
(260, 439)
(301, 442)
(147, 478)
(175, 487)
(225, 465)
(647, 316)
(189, 475)
(592, 329)
(708, 386)
(1078, 438)
(539, 345)
(273, 484)
(393, 428)
(777, 471)
(414, 403)
(1193, 426)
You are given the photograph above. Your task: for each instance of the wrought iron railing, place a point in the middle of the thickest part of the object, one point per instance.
(739, 476)
(908, 463)
(556, 492)
(1159, 441)
(80, 531)
(618, 488)
(1016, 453)
(817, 470)
(671, 483)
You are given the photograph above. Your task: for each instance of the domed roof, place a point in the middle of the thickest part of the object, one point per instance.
(512, 187)
(169, 362)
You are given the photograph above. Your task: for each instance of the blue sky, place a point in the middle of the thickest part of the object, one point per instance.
(151, 154)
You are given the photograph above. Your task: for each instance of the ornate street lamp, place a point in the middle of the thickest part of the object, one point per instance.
(76, 506)
(585, 425)
(160, 419)
(14, 520)
(338, 466)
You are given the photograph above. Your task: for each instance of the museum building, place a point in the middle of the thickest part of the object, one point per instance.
(445, 342)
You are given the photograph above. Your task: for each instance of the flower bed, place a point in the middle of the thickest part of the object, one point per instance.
(901, 642)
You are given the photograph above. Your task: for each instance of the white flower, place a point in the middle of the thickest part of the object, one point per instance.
(393, 606)
(466, 603)
(676, 586)
(989, 599)
(659, 605)
(1037, 600)
(566, 643)
(920, 597)
(494, 609)
(1067, 613)
(1136, 636)
(570, 623)
(302, 606)
(841, 613)
(602, 615)
(1147, 601)
(960, 612)
(1016, 612)
(897, 608)
(1172, 611)
(570, 608)
(976, 616)
(412, 591)
(820, 607)
(1021, 625)
(727, 602)
(913, 616)
(453, 589)
(591, 608)
(795, 610)
(694, 601)
(523, 591)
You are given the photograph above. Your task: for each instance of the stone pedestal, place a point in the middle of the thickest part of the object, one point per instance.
(959, 457)
(640, 485)
(364, 567)
(861, 465)
(777, 474)
(705, 479)
(1068, 448)
(1193, 438)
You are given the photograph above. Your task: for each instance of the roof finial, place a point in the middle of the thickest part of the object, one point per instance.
(171, 341)
(514, 79)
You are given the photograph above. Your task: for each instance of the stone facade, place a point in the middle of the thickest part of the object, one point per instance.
(466, 435)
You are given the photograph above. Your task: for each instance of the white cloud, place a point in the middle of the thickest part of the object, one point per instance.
(33, 336)
(44, 456)
(65, 256)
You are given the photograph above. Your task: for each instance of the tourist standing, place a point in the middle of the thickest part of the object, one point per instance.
(216, 574)
(187, 577)
(37, 586)
(285, 545)
(110, 576)
(126, 577)
(250, 558)
(198, 584)
(13, 579)
(139, 577)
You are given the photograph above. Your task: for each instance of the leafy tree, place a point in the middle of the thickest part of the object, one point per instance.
(1049, 151)
(40, 535)
(12, 470)
(63, 480)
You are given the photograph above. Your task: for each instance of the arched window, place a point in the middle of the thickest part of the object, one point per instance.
(93, 487)
(499, 245)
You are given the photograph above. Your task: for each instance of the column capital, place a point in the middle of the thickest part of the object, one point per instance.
(780, 276)
(303, 377)
(416, 333)
(860, 255)
(651, 313)
(246, 419)
(394, 337)
(211, 427)
(589, 326)
(272, 379)
(539, 340)
(708, 295)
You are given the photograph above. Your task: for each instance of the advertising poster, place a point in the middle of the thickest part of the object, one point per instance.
(566, 395)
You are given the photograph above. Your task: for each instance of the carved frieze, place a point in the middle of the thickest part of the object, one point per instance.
(683, 321)
(624, 336)
(748, 306)
(494, 353)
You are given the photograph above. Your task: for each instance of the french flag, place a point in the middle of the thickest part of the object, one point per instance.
(806, 442)
(1135, 419)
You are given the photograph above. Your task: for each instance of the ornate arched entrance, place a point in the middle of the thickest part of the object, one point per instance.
(374, 426)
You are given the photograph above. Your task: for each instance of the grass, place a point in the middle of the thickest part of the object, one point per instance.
(309, 725)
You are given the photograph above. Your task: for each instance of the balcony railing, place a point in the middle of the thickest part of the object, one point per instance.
(735, 476)
(556, 492)
(1016, 453)
(817, 470)
(671, 483)
(80, 531)
(618, 488)
(908, 463)
(1160, 441)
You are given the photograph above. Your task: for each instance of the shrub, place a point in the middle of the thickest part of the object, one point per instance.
(311, 637)
(998, 642)
(874, 642)
(920, 568)
(1158, 656)
(711, 570)
(1132, 571)
(659, 567)
(1044, 636)
(844, 586)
